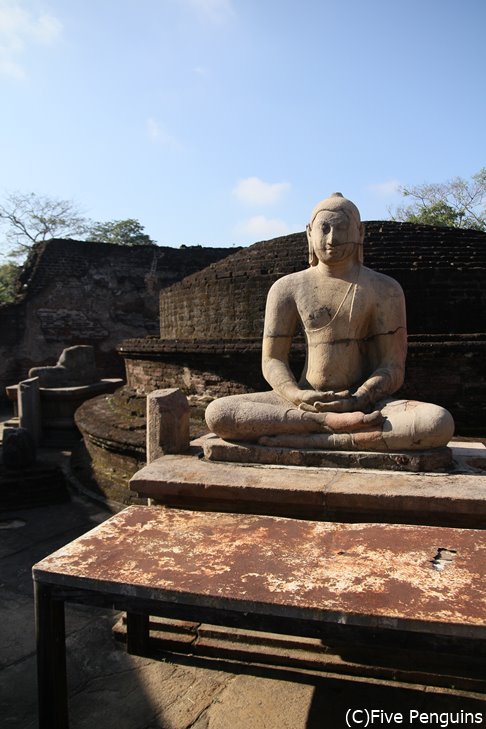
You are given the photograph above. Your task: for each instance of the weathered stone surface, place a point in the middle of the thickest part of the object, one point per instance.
(96, 293)
(217, 449)
(59, 404)
(456, 499)
(76, 366)
(167, 423)
(319, 575)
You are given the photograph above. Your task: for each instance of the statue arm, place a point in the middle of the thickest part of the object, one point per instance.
(280, 323)
(281, 317)
(388, 377)
(387, 342)
(388, 345)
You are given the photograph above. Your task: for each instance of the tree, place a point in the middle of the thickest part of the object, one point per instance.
(127, 232)
(8, 279)
(456, 203)
(31, 218)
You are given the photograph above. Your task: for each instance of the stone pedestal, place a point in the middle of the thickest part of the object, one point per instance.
(457, 498)
(435, 460)
(57, 405)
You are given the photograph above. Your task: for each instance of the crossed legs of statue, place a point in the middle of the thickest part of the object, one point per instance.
(269, 419)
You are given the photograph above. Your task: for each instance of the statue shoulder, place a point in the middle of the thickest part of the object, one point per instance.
(381, 283)
(288, 285)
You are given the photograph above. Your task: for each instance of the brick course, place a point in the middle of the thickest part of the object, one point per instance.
(74, 292)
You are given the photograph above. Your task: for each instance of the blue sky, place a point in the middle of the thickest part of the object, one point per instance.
(222, 122)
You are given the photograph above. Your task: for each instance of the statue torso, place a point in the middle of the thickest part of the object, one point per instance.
(337, 318)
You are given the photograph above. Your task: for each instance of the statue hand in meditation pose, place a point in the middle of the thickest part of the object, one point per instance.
(355, 329)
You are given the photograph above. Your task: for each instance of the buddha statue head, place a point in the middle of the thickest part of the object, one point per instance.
(335, 231)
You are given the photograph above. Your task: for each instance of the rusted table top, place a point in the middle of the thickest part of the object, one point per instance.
(419, 578)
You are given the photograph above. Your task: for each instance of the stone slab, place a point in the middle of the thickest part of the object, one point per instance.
(217, 449)
(189, 481)
(314, 577)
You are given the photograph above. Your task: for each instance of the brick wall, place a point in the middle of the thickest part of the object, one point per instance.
(441, 270)
(72, 292)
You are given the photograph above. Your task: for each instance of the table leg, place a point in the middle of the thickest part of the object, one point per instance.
(51, 659)
(137, 633)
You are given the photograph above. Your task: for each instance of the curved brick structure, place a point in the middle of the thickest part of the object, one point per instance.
(440, 269)
(211, 324)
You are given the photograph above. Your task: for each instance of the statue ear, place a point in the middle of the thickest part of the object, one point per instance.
(312, 256)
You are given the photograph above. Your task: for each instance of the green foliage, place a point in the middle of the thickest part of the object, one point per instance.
(8, 278)
(127, 232)
(438, 213)
(30, 218)
(456, 203)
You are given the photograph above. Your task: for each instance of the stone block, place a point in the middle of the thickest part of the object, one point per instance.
(452, 499)
(435, 459)
(167, 423)
(29, 407)
(76, 366)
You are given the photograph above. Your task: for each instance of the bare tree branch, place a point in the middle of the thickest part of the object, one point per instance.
(30, 218)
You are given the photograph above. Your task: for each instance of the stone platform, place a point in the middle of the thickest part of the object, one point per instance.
(217, 449)
(58, 404)
(456, 498)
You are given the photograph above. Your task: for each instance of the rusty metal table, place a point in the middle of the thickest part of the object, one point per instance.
(264, 573)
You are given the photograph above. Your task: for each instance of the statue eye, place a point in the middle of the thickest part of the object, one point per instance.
(326, 227)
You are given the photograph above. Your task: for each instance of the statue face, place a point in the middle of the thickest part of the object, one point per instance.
(334, 236)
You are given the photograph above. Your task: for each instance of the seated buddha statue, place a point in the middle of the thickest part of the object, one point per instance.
(356, 342)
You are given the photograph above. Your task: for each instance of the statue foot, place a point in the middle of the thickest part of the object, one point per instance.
(350, 422)
(369, 440)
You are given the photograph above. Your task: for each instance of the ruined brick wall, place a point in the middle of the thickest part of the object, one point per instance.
(440, 269)
(75, 292)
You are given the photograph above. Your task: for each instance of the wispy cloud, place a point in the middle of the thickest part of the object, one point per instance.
(254, 191)
(259, 227)
(384, 189)
(158, 134)
(214, 11)
(20, 28)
